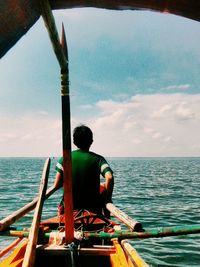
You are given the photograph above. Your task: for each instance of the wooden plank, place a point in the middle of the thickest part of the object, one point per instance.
(16, 215)
(61, 250)
(29, 257)
(119, 258)
(121, 216)
(133, 255)
(15, 259)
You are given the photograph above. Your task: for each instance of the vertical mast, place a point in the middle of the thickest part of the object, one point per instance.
(60, 50)
(66, 135)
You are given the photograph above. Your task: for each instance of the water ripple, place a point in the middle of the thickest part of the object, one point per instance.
(159, 192)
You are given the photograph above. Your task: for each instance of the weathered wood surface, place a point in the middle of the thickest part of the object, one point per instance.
(149, 233)
(133, 254)
(18, 16)
(123, 217)
(66, 144)
(61, 52)
(53, 34)
(29, 257)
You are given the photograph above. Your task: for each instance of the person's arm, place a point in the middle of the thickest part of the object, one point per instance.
(109, 185)
(58, 182)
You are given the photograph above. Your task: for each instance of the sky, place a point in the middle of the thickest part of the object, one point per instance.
(134, 79)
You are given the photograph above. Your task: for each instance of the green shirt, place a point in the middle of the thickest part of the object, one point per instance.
(86, 170)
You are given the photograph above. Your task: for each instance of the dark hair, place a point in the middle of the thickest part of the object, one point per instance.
(82, 137)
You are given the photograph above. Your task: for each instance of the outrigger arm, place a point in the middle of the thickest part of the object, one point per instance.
(157, 232)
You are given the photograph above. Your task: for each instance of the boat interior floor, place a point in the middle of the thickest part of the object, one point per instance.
(51, 256)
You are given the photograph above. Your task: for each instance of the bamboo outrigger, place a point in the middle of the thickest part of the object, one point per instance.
(84, 239)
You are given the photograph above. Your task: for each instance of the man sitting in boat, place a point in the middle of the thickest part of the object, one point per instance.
(87, 167)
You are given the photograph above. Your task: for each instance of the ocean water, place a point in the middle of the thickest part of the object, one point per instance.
(158, 192)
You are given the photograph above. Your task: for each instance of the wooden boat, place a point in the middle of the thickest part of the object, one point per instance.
(46, 244)
(80, 238)
(82, 252)
(66, 240)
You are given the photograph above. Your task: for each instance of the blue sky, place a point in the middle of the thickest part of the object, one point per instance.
(134, 78)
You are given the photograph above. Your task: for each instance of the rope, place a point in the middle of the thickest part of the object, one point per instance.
(73, 248)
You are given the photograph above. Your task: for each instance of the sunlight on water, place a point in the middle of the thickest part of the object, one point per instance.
(155, 191)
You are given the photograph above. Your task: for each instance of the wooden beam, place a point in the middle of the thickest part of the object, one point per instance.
(29, 257)
(66, 141)
(123, 217)
(149, 233)
(133, 255)
(60, 50)
(61, 250)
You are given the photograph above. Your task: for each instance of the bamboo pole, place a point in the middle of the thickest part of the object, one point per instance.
(60, 50)
(133, 255)
(121, 216)
(29, 257)
(16, 215)
(53, 33)
(17, 233)
(149, 233)
(66, 133)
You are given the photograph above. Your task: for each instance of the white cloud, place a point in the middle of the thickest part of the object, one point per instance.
(136, 141)
(162, 111)
(6, 136)
(168, 139)
(146, 125)
(184, 112)
(180, 87)
(30, 135)
(159, 125)
(157, 135)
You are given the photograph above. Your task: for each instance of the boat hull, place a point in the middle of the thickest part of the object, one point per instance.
(85, 250)
(114, 255)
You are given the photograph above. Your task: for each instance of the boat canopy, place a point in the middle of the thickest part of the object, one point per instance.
(18, 16)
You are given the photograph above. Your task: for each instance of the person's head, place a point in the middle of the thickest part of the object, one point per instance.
(82, 137)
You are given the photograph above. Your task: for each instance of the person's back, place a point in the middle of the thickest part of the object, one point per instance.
(86, 169)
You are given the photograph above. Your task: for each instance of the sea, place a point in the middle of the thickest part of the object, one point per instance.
(158, 192)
